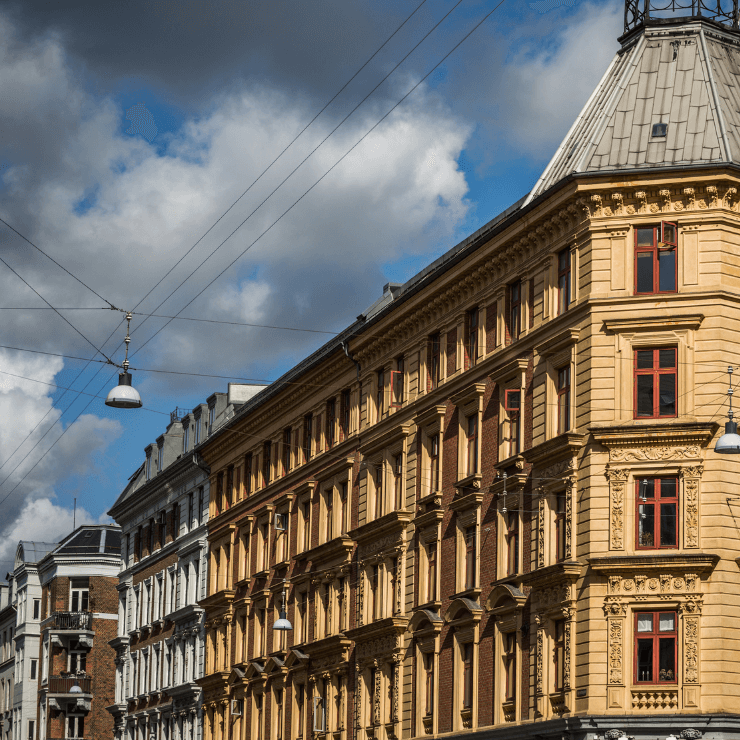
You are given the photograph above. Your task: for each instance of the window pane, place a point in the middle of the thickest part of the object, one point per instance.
(666, 358)
(667, 269)
(667, 622)
(647, 488)
(644, 395)
(667, 395)
(669, 233)
(644, 237)
(646, 526)
(645, 660)
(645, 359)
(644, 272)
(668, 533)
(644, 622)
(668, 487)
(667, 659)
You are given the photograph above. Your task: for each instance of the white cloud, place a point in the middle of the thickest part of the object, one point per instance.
(41, 520)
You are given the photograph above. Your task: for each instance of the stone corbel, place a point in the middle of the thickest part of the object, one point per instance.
(641, 195)
(727, 197)
(712, 190)
(618, 199)
(690, 193)
(597, 205)
(666, 195)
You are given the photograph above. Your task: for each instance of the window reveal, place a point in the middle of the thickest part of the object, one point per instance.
(563, 281)
(655, 259)
(655, 383)
(657, 513)
(655, 647)
(564, 399)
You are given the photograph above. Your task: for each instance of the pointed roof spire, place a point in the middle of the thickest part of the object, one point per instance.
(670, 97)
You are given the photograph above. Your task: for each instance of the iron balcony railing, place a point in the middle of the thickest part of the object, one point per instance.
(72, 620)
(64, 684)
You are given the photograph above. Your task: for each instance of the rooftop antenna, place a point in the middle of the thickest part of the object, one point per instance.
(124, 395)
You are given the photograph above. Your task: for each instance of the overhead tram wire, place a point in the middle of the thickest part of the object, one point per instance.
(423, 79)
(306, 192)
(217, 221)
(60, 266)
(274, 161)
(302, 162)
(64, 318)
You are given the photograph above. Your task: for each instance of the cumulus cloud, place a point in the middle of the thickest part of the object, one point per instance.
(41, 520)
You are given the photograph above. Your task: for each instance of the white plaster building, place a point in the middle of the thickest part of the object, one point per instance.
(7, 657)
(27, 603)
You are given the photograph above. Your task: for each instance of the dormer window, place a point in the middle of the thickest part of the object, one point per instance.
(211, 418)
(160, 456)
(186, 436)
(148, 464)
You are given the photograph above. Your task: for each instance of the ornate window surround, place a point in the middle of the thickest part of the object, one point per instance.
(430, 423)
(641, 332)
(658, 583)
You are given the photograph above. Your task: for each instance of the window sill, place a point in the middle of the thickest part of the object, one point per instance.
(261, 573)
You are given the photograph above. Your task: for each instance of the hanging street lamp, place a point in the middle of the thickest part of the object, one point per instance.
(729, 442)
(124, 395)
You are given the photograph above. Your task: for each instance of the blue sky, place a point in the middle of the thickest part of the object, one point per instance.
(135, 129)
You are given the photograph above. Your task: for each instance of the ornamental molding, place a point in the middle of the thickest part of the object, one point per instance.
(660, 200)
(655, 442)
(654, 323)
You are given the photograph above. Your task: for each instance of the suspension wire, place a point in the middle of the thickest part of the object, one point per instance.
(60, 266)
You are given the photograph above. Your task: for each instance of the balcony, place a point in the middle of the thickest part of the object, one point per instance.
(64, 684)
(72, 621)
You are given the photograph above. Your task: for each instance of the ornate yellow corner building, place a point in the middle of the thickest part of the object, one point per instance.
(492, 505)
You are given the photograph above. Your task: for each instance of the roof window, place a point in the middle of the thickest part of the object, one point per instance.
(659, 130)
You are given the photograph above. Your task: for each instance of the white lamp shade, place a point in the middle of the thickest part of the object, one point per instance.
(282, 624)
(729, 442)
(75, 689)
(124, 395)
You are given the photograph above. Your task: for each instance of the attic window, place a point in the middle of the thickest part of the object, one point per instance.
(659, 130)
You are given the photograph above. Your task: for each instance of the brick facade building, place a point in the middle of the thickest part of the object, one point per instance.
(159, 644)
(79, 615)
(493, 502)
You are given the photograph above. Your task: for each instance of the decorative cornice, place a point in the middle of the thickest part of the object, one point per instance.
(697, 562)
(564, 445)
(654, 441)
(653, 323)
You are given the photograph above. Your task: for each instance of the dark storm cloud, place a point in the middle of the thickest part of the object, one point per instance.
(188, 46)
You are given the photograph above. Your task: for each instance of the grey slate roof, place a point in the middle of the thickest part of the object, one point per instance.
(685, 73)
(32, 552)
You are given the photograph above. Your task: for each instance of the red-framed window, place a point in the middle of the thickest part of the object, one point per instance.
(287, 434)
(563, 281)
(515, 309)
(656, 383)
(559, 654)
(471, 345)
(472, 445)
(432, 571)
(435, 344)
(379, 473)
(512, 406)
(656, 501)
(375, 605)
(306, 524)
(428, 665)
(345, 402)
(509, 657)
(655, 647)
(563, 399)
(398, 480)
(560, 553)
(307, 436)
(434, 463)
(655, 258)
(266, 462)
(329, 514)
(248, 473)
(397, 384)
(380, 393)
(237, 489)
(229, 492)
(467, 664)
(331, 417)
(471, 556)
(512, 543)
(343, 523)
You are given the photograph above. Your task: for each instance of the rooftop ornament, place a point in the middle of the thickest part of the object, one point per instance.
(641, 12)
